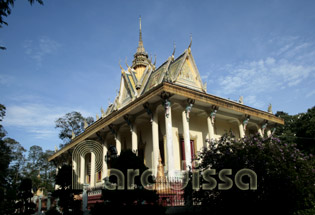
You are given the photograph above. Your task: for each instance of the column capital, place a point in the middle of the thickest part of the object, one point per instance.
(189, 105)
(149, 109)
(167, 107)
(245, 121)
(129, 120)
(114, 129)
(263, 127)
(213, 112)
(165, 95)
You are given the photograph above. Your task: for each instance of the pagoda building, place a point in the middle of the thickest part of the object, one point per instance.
(165, 115)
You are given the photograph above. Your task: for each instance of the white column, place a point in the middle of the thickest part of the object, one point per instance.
(92, 184)
(210, 128)
(118, 143)
(169, 143)
(104, 162)
(75, 175)
(134, 138)
(186, 140)
(82, 169)
(268, 133)
(241, 128)
(260, 132)
(155, 142)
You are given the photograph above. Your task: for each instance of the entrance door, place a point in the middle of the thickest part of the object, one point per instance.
(182, 152)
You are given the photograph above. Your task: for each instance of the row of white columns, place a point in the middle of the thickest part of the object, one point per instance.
(155, 143)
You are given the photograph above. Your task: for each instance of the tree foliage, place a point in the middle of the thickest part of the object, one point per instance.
(64, 193)
(71, 122)
(16, 170)
(24, 204)
(6, 7)
(39, 169)
(299, 129)
(126, 201)
(285, 176)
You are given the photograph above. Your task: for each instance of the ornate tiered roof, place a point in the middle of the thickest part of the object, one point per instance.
(142, 75)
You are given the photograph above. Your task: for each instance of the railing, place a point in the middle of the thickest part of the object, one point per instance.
(170, 191)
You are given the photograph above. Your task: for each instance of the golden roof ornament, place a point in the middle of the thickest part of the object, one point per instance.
(270, 108)
(73, 135)
(97, 117)
(122, 69)
(103, 112)
(173, 54)
(241, 100)
(127, 63)
(189, 47)
(85, 124)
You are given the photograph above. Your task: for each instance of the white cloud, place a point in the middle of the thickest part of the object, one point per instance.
(43, 133)
(6, 79)
(39, 49)
(263, 75)
(290, 67)
(37, 119)
(310, 94)
(252, 100)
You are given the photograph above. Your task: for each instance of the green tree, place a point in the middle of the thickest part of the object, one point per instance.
(126, 201)
(305, 131)
(33, 166)
(11, 162)
(73, 121)
(39, 169)
(14, 176)
(2, 115)
(285, 177)
(299, 129)
(48, 172)
(64, 193)
(25, 205)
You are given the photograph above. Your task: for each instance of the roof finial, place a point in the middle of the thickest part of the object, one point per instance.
(120, 65)
(154, 60)
(174, 44)
(126, 63)
(190, 41)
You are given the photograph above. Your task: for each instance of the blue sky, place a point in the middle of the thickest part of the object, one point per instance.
(63, 56)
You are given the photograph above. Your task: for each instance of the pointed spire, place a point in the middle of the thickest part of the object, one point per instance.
(141, 58)
(140, 48)
(140, 35)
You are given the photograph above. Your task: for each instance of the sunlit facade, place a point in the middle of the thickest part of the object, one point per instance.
(160, 112)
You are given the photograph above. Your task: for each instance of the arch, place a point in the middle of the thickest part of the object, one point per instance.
(79, 152)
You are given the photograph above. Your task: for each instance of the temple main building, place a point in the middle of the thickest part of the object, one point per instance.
(161, 113)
